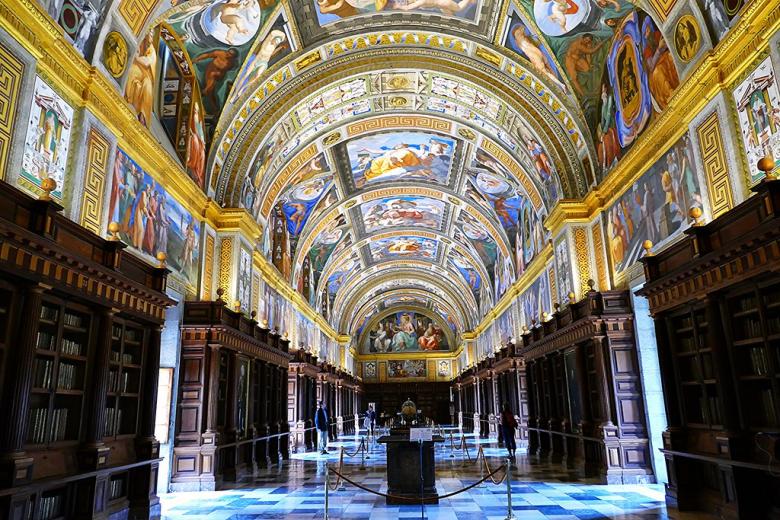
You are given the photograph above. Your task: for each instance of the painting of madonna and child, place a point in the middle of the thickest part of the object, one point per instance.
(395, 156)
(405, 332)
(330, 11)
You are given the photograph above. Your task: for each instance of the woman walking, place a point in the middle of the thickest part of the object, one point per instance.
(508, 425)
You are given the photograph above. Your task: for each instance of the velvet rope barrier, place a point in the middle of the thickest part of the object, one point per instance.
(416, 499)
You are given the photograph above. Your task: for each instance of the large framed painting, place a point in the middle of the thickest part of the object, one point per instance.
(407, 369)
(406, 331)
(48, 139)
(150, 220)
(407, 211)
(656, 206)
(758, 111)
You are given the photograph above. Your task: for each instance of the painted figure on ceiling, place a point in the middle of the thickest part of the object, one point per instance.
(196, 148)
(238, 16)
(579, 61)
(139, 91)
(662, 75)
(532, 50)
(222, 62)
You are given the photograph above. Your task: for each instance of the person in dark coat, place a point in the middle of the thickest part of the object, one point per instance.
(321, 423)
(371, 416)
(508, 425)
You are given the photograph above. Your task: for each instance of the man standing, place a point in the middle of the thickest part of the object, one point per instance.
(371, 416)
(321, 423)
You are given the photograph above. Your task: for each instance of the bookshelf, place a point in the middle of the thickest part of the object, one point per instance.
(58, 315)
(125, 373)
(227, 415)
(715, 299)
(609, 441)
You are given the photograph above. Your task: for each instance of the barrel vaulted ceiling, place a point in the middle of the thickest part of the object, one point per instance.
(401, 155)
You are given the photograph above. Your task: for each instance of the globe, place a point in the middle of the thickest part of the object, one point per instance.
(408, 410)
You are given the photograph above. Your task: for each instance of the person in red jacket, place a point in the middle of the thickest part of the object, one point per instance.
(508, 425)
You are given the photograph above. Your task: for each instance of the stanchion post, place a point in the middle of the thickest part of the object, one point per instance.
(508, 478)
(327, 489)
(365, 448)
(362, 455)
(452, 447)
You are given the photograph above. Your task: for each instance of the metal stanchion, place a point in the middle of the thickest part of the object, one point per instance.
(365, 449)
(452, 447)
(508, 478)
(362, 449)
(327, 490)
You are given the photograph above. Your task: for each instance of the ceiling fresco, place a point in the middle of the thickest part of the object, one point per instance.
(405, 154)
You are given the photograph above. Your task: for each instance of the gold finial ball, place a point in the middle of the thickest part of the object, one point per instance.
(525, 328)
(237, 305)
(284, 336)
(161, 257)
(544, 316)
(766, 164)
(265, 324)
(647, 245)
(572, 296)
(113, 231)
(48, 185)
(695, 213)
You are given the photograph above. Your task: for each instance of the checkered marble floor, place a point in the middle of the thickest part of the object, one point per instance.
(540, 491)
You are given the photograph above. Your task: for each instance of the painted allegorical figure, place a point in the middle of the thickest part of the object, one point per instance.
(662, 75)
(139, 91)
(405, 336)
(196, 148)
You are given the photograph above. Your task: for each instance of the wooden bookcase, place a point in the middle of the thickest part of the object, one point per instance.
(231, 412)
(79, 355)
(585, 392)
(715, 299)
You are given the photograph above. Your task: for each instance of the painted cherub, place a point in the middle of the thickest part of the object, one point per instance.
(448, 7)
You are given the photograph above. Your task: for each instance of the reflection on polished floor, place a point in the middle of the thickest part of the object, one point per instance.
(540, 491)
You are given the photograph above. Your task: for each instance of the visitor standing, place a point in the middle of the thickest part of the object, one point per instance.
(371, 420)
(508, 425)
(321, 423)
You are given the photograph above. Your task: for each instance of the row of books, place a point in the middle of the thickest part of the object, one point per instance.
(773, 325)
(746, 304)
(70, 347)
(116, 332)
(73, 320)
(113, 420)
(43, 373)
(749, 328)
(39, 433)
(49, 313)
(126, 358)
(66, 376)
(115, 382)
(758, 361)
(116, 488)
(44, 341)
(51, 507)
(711, 406)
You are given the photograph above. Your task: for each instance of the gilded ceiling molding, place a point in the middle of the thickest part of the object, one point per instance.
(357, 311)
(503, 63)
(406, 188)
(551, 128)
(452, 286)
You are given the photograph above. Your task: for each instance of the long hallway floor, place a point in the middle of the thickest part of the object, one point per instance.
(540, 491)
